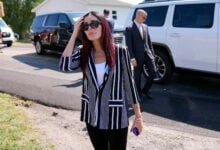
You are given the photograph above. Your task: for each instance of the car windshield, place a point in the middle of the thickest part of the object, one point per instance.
(2, 23)
(75, 16)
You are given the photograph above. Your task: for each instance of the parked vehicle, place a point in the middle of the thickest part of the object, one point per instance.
(52, 31)
(0, 36)
(118, 34)
(185, 35)
(7, 33)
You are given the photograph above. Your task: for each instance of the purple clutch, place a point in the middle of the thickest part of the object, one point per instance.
(135, 131)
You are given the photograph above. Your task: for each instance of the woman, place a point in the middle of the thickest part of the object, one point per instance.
(107, 83)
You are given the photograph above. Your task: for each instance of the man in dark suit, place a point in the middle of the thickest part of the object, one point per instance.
(141, 52)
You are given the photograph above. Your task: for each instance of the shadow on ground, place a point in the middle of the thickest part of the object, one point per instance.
(47, 61)
(189, 99)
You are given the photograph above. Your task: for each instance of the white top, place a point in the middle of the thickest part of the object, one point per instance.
(100, 71)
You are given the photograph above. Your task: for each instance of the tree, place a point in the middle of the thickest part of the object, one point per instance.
(18, 14)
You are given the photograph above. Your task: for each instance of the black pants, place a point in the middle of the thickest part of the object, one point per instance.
(150, 64)
(108, 139)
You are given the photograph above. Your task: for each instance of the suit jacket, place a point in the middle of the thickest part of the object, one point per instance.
(105, 106)
(138, 45)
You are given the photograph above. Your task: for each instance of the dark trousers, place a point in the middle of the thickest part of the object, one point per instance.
(108, 139)
(150, 64)
(151, 69)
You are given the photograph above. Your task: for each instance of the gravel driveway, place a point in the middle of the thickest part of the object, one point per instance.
(63, 129)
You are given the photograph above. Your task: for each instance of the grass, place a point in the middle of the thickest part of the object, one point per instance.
(24, 41)
(16, 131)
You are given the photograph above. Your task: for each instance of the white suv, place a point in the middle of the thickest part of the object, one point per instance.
(185, 34)
(7, 33)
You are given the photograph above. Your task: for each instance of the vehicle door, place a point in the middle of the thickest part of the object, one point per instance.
(193, 36)
(218, 26)
(156, 21)
(64, 31)
(50, 27)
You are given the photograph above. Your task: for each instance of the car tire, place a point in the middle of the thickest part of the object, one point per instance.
(38, 47)
(9, 44)
(164, 69)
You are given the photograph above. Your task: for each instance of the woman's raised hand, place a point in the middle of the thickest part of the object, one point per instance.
(77, 26)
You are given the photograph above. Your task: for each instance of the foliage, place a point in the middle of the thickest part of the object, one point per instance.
(18, 14)
(24, 41)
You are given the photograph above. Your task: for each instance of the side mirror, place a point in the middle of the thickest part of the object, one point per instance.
(64, 25)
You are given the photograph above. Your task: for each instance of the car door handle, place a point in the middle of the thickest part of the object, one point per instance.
(175, 35)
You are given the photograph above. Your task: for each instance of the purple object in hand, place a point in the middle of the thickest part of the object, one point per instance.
(135, 131)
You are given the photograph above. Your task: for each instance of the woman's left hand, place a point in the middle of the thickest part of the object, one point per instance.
(138, 123)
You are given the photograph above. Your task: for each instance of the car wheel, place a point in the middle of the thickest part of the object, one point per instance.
(9, 44)
(38, 48)
(164, 69)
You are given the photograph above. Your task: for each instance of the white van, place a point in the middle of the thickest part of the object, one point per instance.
(7, 33)
(185, 35)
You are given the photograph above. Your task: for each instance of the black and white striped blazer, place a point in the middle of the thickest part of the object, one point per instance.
(105, 107)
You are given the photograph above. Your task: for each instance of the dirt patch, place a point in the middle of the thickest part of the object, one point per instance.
(63, 129)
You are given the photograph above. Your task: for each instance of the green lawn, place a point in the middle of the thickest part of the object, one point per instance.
(23, 41)
(16, 131)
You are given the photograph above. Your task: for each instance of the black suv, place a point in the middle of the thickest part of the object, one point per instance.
(52, 31)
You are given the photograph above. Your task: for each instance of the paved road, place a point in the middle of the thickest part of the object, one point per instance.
(189, 103)
(37, 77)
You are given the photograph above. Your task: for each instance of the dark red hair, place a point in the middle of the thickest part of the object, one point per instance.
(105, 40)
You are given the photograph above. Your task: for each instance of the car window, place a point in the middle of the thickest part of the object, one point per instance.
(2, 23)
(63, 18)
(156, 15)
(38, 21)
(52, 20)
(194, 15)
